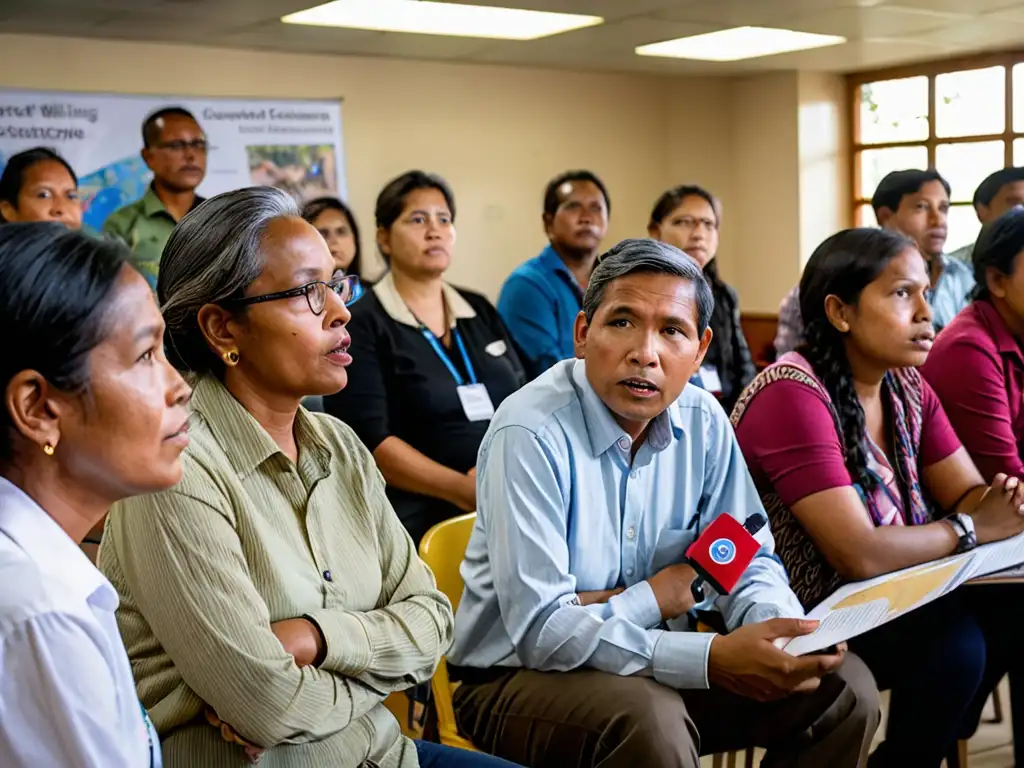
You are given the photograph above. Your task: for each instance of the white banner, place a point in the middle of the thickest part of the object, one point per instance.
(293, 145)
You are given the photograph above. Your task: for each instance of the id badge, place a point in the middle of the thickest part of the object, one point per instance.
(710, 380)
(476, 402)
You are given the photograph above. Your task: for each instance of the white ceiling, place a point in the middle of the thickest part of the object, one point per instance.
(880, 32)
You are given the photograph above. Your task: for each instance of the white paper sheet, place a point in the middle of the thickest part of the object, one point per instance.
(855, 608)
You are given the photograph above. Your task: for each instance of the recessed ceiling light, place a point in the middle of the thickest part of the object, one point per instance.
(432, 18)
(739, 43)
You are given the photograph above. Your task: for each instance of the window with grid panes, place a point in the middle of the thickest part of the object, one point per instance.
(964, 118)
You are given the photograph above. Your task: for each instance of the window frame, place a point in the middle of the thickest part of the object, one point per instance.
(931, 69)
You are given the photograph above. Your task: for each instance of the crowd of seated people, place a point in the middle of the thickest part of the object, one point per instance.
(258, 595)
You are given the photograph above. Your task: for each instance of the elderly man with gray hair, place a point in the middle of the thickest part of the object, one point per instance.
(572, 640)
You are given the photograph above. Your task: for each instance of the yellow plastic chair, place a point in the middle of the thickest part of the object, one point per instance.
(442, 549)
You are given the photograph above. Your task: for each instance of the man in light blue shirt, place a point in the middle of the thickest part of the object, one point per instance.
(541, 298)
(572, 638)
(915, 204)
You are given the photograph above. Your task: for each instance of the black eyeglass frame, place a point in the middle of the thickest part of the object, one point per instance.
(305, 290)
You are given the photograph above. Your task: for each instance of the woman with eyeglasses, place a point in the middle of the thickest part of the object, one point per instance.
(271, 601)
(688, 217)
(431, 362)
(40, 185)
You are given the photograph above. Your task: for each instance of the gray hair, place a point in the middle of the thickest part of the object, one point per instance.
(213, 255)
(650, 256)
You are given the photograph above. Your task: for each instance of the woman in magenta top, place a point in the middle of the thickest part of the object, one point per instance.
(977, 366)
(856, 463)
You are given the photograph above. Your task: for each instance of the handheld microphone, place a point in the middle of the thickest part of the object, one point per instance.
(722, 553)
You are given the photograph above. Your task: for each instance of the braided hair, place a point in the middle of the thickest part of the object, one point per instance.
(843, 266)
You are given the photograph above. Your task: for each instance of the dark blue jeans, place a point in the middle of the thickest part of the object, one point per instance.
(940, 663)
(435, 756)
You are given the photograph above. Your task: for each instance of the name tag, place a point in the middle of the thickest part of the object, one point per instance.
(710, 379)
(496, 348)
(476, 402)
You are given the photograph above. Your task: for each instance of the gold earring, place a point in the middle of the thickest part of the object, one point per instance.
(49, 448)
(231, 357)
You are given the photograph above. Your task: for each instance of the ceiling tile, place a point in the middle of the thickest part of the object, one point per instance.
(622, 36)
(860, 55)
(975, 7)
(861, 23)
(980, 34)
(609, 10)
(1009, 14)
(278, 36)
(747, 12)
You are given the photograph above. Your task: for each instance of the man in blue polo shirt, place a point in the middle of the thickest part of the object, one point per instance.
(541, 298)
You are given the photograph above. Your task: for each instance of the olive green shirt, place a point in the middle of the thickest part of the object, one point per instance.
(145, 227)
(248, 538)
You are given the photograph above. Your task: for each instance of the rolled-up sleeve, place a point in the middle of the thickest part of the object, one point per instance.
(525, 516)
(763, 591)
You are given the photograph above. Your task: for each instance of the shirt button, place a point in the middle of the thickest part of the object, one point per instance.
(624, 443)
(633, 473)
(629, 571)
(631, 533)
(328, 576)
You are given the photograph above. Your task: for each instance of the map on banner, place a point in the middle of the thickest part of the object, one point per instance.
(855, 608)
(293, 145)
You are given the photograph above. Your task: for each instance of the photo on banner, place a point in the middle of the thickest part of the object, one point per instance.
(295, 145)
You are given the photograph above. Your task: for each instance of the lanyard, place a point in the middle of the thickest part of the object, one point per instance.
(147, 723)
(439, 350)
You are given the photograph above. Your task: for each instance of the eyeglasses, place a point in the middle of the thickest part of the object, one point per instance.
(199, 145)
(345, 287)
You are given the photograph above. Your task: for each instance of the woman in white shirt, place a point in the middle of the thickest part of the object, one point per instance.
(92, 414)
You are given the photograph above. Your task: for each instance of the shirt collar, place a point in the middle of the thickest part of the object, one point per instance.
(602, 429)
(48, 546)
(389, 298)
(245, 443)
(153, 205)
(1005, 341)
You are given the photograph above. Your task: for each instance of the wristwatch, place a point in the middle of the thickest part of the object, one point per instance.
(963, 525)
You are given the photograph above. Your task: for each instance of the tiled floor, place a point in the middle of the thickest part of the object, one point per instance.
(991, 746)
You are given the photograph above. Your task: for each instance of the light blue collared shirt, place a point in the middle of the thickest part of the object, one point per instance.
(952, 293)
(563, 510)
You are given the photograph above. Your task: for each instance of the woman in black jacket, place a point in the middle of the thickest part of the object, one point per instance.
(688, 217)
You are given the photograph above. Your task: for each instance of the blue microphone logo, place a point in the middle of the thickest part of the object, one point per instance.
(722, 551)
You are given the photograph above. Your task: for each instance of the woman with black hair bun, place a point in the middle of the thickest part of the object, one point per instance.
(689, 217)
(862, 474)
(40, 185)
(93, 413)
